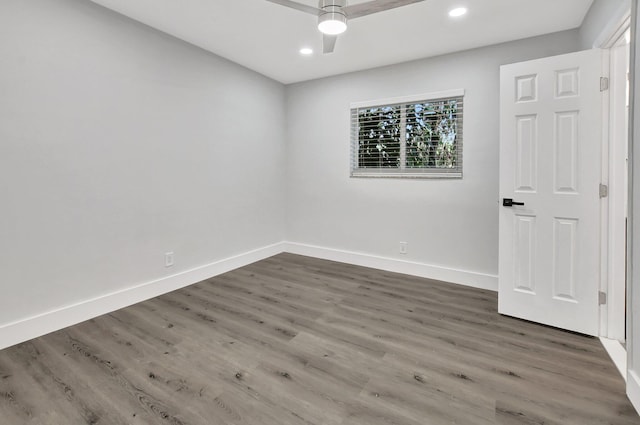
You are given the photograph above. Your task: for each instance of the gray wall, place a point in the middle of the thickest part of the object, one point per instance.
(447, 223)
(118, 144)
(633, 254)
(600, 16)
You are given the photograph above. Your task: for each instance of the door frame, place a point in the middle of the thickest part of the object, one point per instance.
(612, 323)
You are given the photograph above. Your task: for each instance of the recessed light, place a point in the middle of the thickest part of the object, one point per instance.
(458, 11)
(306, 51)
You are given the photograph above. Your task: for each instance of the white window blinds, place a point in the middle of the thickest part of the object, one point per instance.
(418, 136)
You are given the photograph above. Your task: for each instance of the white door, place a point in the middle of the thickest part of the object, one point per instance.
(550, 161)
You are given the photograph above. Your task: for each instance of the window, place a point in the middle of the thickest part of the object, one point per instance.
(417, 136)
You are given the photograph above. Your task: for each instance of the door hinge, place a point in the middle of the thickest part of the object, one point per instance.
(602, 298)
(604, 83)
(604, 190)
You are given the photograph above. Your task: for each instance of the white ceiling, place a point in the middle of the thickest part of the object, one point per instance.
(267, 37)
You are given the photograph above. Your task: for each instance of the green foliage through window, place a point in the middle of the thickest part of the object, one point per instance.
(431, 134)
(410, 137)
(379, 137)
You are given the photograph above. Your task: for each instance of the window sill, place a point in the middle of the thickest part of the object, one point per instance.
(407, 175)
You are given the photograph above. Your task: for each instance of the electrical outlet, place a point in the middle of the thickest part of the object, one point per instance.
(168, 259)
(403, 247)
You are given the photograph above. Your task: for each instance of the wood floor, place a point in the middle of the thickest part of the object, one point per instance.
(294, 340)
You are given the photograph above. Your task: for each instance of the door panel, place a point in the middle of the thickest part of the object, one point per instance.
(526, 153)
(566, 152)
(564, 259)
(550, 151)
(525, 240)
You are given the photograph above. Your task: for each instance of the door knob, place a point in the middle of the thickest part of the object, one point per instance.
(508, 202)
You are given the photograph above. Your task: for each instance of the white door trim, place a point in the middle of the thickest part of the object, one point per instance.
(614, 208)
(611, 325)
(633, 384)
(605, 269)
(617, 353)
(615, 28)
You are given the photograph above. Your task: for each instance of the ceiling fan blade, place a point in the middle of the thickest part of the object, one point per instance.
(298, 6)
(328, 43)
(363, 9)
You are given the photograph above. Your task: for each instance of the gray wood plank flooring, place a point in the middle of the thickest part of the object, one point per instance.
(293, 340)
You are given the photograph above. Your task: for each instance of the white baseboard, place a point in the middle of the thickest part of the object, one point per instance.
(33, 327)
(461, 277)
(617, 353)
(633, 389)
(42, 324)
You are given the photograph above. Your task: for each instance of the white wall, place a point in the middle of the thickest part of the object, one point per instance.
(447, 223)
(602, 15)
(118, 144)
(633, 254)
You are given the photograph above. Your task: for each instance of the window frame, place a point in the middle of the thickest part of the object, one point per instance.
(406, 173)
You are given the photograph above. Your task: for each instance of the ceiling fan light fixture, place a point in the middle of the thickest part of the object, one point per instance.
(332, 23)
(457, 12)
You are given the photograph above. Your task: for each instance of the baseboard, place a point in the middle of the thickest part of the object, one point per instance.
(633, 389)
(617, 353)
(461, 277)
(33, 327)
(42, 324)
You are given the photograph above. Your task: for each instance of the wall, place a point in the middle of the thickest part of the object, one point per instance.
(451, 226)
(118, 144)
(633, 222)
(601, 18)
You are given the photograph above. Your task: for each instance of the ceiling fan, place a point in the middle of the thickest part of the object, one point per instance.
(334, 14)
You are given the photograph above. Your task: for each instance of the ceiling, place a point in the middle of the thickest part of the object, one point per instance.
(267, 37)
